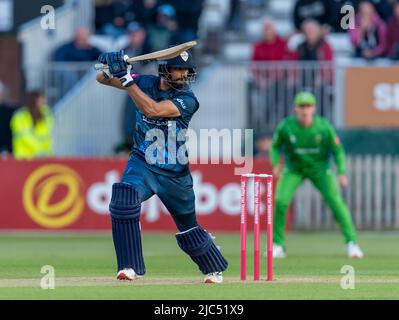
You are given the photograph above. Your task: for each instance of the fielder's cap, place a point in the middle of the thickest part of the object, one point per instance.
(305, 98)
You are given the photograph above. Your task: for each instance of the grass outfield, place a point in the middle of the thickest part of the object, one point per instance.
(84, 269)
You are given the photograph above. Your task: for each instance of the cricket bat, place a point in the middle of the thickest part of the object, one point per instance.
(157, 55)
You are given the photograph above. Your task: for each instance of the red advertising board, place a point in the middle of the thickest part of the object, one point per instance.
(74, 194)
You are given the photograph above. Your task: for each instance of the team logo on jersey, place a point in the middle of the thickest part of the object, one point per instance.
(319, 139)
(181, 101)
(184, 55)
(292, 138)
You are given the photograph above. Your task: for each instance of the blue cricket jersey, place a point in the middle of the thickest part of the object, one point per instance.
(160, 142)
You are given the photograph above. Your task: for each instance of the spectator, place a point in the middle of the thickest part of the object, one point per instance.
(145, 11)
(234, 20)
(319, 78)
(383, 7)
(271, 48)
(116, 28)
(32, 127)
(263, 144)
(79, 49)
(138, 43)
(370, 34)
(393, 33)
(187, 17)
(160, 34)
(268, 78)
(320, 10)
(112, 16)
(314, 47)
(6, 112)
(102, 13)
(120, 15)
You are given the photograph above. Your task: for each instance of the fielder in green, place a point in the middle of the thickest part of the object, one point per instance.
(307, 141)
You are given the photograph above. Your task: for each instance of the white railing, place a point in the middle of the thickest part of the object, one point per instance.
(271, 88)
(85, 11)
(372, 197)
(60, 78)
(88, 119)
(259, 95)
(39, 44)
(88, 116)
(57, 79)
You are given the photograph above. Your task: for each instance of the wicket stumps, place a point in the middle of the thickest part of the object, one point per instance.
(269, 224)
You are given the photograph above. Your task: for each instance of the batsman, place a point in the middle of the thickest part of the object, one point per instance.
(158, 164)
(307, 141)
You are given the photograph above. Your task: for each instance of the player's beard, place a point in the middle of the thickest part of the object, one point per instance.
(178, 83)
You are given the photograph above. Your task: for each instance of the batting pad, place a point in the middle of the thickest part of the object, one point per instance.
(198, 244)
(125, 215)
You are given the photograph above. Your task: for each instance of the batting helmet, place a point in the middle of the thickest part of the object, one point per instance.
(182, 61)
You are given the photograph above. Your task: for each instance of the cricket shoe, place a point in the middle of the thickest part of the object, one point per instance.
(354, 251)
(214, 277)
(278, 251)
(127, 274)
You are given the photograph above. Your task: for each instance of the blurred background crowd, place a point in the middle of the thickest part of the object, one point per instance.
(50, 105)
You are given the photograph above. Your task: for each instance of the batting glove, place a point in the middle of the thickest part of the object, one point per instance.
(116, 63)
(128, 79)
(103, 60)
(107, 74)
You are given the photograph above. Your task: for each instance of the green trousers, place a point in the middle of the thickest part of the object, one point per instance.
(325, 181)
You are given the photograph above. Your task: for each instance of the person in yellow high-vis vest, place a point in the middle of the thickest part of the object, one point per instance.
(32, 127)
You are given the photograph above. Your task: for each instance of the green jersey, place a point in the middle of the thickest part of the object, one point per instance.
(307, 150)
